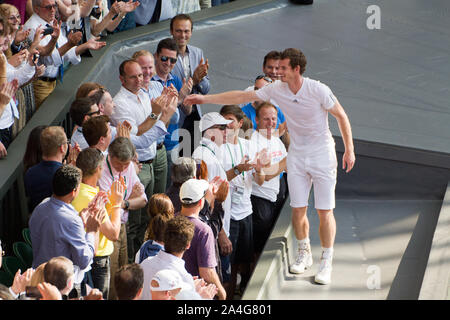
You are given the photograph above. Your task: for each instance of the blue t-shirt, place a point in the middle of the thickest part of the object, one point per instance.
(250, 112)
(171, 140)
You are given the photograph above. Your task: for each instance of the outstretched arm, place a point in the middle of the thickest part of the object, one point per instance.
(229, 97)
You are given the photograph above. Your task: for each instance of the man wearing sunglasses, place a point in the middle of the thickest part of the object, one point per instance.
(63, 50)
(165, 59)
(81, 110)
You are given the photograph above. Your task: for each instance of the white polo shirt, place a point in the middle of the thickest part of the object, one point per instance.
(306, 113)
(232, 155)
(209, 152)
(275, 147)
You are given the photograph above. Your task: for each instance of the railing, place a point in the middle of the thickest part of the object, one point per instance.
(54, 111)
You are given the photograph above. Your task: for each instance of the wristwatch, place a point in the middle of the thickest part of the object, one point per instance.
(153, 116)
(126, 204)
(236, 171)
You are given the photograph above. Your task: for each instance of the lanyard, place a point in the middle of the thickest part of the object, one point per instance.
(212, 151)
(231, 156)
(112, 176)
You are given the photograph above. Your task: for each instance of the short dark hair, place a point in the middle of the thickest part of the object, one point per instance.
(178, 235)
(123, 65)
(89, 160)
(181, 16)
(272, 55)
(167, 43)
(65, 180)
(122, 149)
(57, 271)
(80, 108)
(95, 128)
(296, 58)
(234, 110)
(128, 280)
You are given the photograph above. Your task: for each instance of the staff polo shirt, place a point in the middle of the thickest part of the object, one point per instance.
(275, 147)
(209, 152)
(306, 113)
(232, 155)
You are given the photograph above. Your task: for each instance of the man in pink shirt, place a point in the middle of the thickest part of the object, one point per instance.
(118, 166)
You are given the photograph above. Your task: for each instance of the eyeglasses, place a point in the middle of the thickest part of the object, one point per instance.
(50, 7)
(165, 58)
(264, 77)
(93, 112)
(17, 17)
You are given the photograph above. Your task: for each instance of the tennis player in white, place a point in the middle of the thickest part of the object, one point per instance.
(311, 159)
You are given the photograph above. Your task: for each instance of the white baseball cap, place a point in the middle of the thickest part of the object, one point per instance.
(168, 280)
(211, 119)
(193, 190)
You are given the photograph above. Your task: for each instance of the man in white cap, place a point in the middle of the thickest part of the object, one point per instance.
(166, 284)
(200, 257)
(213, 128)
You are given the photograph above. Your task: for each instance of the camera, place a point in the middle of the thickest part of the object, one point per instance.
(96, 12)
(48, 30)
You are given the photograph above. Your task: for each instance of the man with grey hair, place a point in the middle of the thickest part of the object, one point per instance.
(118, 166)
(61, 50)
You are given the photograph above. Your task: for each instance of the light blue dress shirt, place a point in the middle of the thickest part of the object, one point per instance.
(57, 230)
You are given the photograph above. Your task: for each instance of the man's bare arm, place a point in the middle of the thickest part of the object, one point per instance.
(229, 97)
(348, 160)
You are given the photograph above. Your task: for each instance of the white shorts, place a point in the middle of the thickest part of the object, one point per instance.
(320, 170)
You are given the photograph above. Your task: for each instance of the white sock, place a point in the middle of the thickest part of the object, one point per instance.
(327, 253)
(304, 243)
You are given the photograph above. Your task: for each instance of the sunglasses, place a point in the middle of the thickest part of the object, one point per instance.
(265, 78)
(50, 6)
(220, 127)
(165, 58)
(93, 112)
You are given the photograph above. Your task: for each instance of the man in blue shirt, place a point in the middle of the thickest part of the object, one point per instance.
(56, 229)
(250, 108)
(165, 60)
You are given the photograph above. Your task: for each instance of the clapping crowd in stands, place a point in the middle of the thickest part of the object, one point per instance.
(128, 207)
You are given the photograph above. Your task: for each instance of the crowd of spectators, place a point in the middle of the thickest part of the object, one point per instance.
(123, 207)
